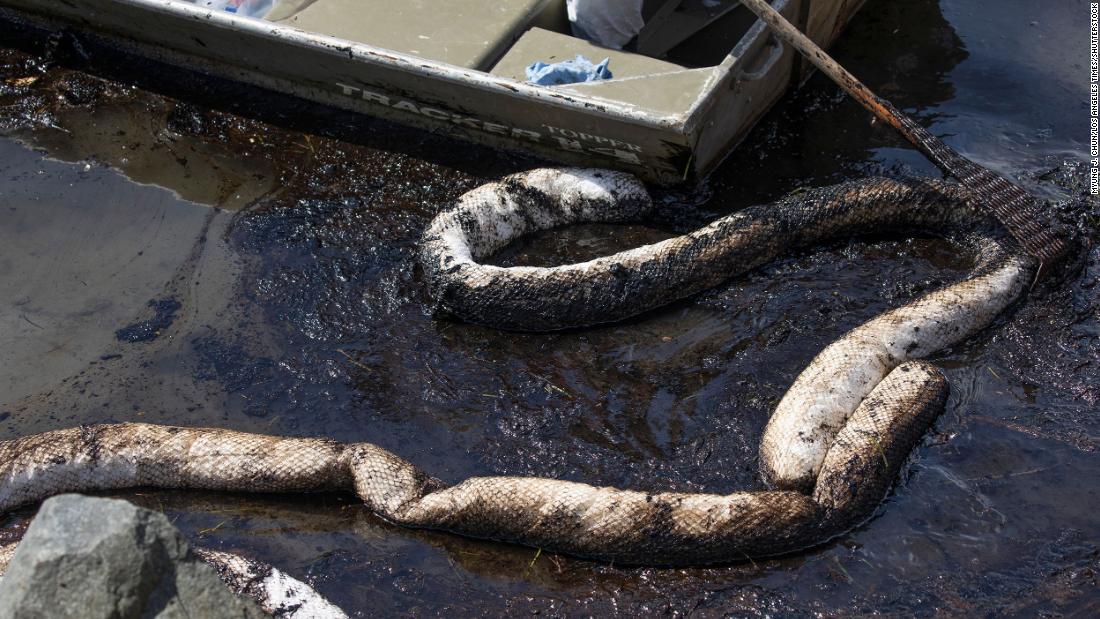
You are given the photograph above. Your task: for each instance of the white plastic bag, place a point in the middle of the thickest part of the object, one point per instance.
(610, 23)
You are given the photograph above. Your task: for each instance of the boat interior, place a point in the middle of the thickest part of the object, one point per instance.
(503, 38)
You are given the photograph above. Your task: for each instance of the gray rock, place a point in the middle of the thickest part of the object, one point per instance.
(93, 557)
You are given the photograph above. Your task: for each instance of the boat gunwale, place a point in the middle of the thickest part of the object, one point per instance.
(416, 65)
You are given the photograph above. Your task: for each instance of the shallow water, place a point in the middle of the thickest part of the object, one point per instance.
(293, 307)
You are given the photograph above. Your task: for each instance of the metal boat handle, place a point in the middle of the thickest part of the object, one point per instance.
(777, 48)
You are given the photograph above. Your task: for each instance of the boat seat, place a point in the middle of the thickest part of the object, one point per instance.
(549, 47)
(671, 22)
(466, 33)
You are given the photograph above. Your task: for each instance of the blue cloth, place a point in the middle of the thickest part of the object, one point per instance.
(568, 72)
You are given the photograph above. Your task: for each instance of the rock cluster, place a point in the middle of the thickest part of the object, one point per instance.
(93, 557)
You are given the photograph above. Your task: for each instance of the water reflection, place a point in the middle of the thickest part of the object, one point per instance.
(906, 52)
(155, 142)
